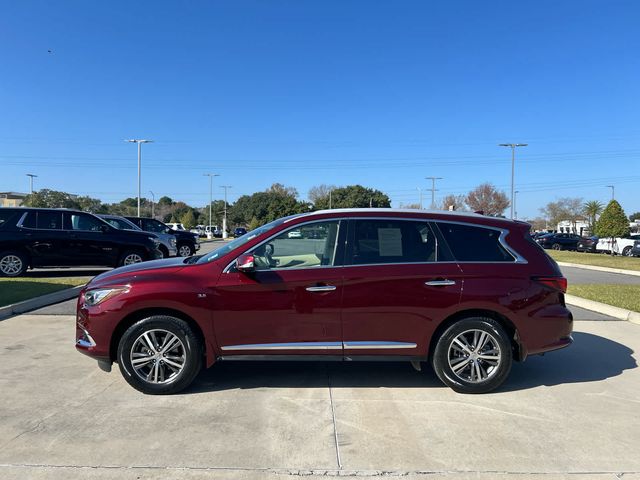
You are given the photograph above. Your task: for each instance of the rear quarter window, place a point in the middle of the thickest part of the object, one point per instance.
(470, 243)
(5, 217)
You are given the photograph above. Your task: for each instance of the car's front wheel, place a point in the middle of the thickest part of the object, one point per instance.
(627, 251)
(473, 355)
(130, 257)
(557, 246)
(185, 250)
(159, 355)
(12, 264)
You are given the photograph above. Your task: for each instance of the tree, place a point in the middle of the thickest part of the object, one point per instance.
(92, 205)
(634, 217)
(320, 191)
(612, 223)
(164, 200)
(277, 201)
(458, 202)
(537, 224)
(571, 209)
(354, 196)
(487, 199)
(280, 189)
(414, 206)
(188, 219)
(592, 209)
(46, 198)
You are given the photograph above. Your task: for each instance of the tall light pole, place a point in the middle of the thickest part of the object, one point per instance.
(330, 202)
(433, 190)
(139, 142)
(515, 211)
(420, 190)
(513, 166)
(613, 191)
(224, 219)
(153, 204)
(31, 175)
(210, 175)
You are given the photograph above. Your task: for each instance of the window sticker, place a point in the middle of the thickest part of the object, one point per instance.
(390, 242)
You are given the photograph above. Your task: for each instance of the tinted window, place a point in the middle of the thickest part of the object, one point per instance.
(308, 246)
(474, 244)
(78, 221)
(394, 241)
(5, 216)
(49, 220)
(153, 226)
(30, 220)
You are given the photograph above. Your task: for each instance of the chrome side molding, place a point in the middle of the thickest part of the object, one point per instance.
(351, 345)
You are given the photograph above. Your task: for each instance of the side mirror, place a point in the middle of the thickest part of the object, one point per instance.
(245, 263)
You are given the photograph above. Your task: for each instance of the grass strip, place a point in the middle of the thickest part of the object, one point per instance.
(13, 290)
(623, 296)
(596, 259)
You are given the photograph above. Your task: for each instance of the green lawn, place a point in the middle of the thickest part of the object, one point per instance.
(623, 296)
(13, 290)
(597, 259)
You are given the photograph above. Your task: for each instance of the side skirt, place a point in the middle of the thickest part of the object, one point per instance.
(323, 358)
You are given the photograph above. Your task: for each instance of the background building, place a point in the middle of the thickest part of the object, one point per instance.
(11, 199)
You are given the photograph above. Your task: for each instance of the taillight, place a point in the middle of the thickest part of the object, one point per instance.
(556, 283)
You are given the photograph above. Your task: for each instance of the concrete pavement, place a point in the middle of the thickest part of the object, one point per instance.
(571, 413)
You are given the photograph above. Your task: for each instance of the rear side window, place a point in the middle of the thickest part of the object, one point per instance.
(49, 221)
(394, 241)
(5, 216)
(470, 243)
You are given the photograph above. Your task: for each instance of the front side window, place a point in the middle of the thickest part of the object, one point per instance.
(308, 246)
(394, 241)
(78, 221)
(470, 243)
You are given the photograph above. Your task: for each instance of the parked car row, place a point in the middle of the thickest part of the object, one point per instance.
(41, 237)
(570, 241)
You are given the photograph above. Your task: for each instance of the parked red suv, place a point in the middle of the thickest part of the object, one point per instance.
(467, 293)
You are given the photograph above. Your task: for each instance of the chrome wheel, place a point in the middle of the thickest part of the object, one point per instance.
(158, 356)
(474, 356)
(131, 259)
(184, 251)
(11, 265)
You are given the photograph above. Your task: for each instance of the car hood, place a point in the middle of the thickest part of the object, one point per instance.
(131, 271)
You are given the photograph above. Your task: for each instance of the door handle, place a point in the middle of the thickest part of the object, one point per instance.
(440, 283)
(321, 288)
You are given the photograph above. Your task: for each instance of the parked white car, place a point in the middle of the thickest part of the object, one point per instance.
(618, 245)
(176, 226)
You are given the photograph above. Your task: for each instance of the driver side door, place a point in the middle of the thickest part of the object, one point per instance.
(291, 303)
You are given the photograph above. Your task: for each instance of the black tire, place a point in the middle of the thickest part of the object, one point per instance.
(127, 255)
(556, 246)
(446, 353)
(164, 377)
(627, 251)
(183, 248)
(13, 264)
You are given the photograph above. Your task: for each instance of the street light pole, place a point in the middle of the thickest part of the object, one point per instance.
(515, 211)
(420, 190)
(224, 219)
(210, 175)
(153, 204)
(433, 190)
(139, 142)
(613, 191)
(31, 175)
(513, 167)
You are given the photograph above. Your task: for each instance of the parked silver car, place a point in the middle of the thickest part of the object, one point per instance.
(167, 240)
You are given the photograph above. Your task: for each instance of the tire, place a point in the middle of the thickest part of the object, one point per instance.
(486, 374)
(12, 264)
(158, 373)
(130, 257)
(185, 250)
(627, 251)
(556, 246)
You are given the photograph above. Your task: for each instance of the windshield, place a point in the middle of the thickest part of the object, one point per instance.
(238, 242)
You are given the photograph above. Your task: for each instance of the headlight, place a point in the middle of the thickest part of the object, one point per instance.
(95, 297)
(172, 242)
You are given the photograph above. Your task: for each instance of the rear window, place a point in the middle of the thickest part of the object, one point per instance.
(470, 243)
(5, 216)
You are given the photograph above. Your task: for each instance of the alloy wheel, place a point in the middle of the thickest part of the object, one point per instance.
(158, 356)
(131, 259)
(474, 356)
(184, 251)
(10, 265)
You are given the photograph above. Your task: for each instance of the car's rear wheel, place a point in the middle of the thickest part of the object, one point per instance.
(12, 264)
(556, 246)
(130, 257)
(159, 355)
(185, 250)
(627, 251)
(473, 355)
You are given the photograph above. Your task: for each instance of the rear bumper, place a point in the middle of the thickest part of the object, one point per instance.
(549, 329)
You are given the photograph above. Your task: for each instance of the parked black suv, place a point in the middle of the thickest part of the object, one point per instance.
(559, 241)
(43, 237)
(187, 243)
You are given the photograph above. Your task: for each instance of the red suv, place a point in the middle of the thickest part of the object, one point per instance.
(467, 293)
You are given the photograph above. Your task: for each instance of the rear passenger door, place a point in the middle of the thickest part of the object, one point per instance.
(399, 283)
(43, 237)
(87, 243)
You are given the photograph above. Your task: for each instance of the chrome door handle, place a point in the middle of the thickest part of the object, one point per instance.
(440, 283)
(321, 288)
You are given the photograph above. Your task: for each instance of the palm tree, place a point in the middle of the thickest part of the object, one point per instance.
(592, 209)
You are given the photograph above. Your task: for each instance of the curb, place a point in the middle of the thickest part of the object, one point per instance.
(603, 308)
(39, 302)
(600, 269)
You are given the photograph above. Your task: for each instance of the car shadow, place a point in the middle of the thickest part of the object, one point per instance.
(591, 358)
(64, 272)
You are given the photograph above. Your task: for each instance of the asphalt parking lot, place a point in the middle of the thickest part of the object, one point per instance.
(569, 413)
